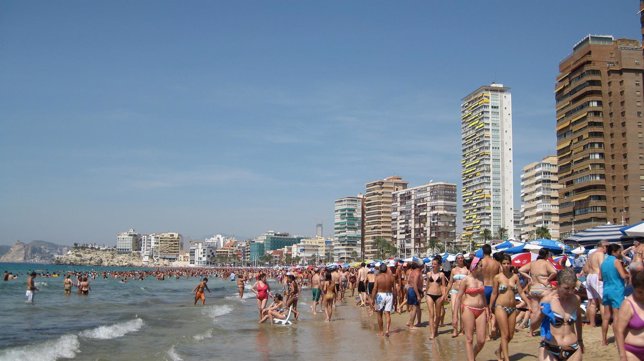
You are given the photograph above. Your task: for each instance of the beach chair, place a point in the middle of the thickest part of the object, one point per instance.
(286, 320)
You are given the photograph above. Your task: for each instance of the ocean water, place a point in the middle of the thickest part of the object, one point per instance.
(144, 320)
(156, 320)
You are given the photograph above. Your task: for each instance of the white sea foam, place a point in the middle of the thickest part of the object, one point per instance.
(174, 356)
(235, 297)
(113, 331)
(217, 311)
(66, 346)
(203, 336)
(41, 284)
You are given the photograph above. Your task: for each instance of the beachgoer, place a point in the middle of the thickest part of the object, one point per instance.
(540, 273)
(383, 298)
(316, 292)
(67, 285)
(459, 272)
(240, 285)
(292, 295)
(414, 295)
(362, 284)
(629, 333)
(328, 287)
(474, 312)
(594, 290)
(504, 305)
(490, 268)
(613, 275)
(199, 291)
(6, 276)
(436, 291)
(84, 286)
(560, 321)
(262, 291)
(275, 310)
(31, 288)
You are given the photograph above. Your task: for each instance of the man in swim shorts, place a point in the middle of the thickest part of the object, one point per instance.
(31, 288)
(594, 287)
(490, 268)
(383, 297)
(362, 284)
(199, 291)
(316, 292)
(414, 285)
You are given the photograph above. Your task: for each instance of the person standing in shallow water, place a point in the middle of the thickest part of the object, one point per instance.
(67, 285)
(383, 297)
(31, 288)
(199, 291)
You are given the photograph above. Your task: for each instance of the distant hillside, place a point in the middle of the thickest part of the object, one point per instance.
(35, 251)
(4, 249)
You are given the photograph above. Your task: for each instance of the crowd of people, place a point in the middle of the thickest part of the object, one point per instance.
(487, 298)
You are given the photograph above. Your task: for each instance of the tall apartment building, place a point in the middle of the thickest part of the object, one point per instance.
(169, 245)
(378, 208)
(421, 214)
(540, 198)
(600, 134)
(486, 139)
(128, 242)
(347, 229)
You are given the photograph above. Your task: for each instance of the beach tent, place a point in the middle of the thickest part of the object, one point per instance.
(633, 230)
(590, 236)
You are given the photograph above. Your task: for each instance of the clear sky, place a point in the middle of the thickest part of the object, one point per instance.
(238, 117)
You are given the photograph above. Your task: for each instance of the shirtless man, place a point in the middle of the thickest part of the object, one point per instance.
(335, 277)
(199, 291)
(414, 285)
(362, 284)
(316, 292)
(383, 297)
(31, 288)
(637, 261)
(594, 287)
(490, 268)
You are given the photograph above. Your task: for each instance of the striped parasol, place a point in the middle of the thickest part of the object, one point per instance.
(591, 236)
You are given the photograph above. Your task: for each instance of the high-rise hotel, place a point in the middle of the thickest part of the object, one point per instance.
(540, 198)
(422, 214)
(347, 229)
(486, 131)
(378, 208)
(600, 134)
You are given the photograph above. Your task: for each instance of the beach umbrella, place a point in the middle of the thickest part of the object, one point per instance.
(451, 258)
(479, 253)
(444, 257)
(412, 259)
(516, 249)
(550, 245)
(633, 230)
(522, 259)
(504, 245)
(427, 260)
(591, 236)
(532, 247)
(475, 261)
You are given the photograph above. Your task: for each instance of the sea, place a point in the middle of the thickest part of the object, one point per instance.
(156, 320)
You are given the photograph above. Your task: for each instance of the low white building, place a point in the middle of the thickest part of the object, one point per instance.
(128, 242)
(310, 248)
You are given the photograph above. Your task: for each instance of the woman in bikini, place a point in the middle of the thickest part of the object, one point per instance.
(459, 272)
(328, 287)
(474, 311)
(241, 279)
(560, 320)
(435, 289)
(540, 273)
(276, 310)
(261, 289)
(503, 304)
(629, 332)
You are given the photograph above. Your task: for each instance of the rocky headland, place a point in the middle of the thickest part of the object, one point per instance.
(32, 252)
(99, 257)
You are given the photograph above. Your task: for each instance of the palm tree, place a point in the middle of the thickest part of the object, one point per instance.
(384, 248)
(543, 232)
(502, 233)
(487, 235)
(433, 242)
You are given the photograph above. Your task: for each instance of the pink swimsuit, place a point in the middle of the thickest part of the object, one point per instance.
(635, 323)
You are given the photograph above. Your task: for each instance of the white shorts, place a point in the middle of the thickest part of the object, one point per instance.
(594, 287)
(384, 302)
(29, 295)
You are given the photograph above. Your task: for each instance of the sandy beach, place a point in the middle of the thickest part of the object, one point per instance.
(354, 332)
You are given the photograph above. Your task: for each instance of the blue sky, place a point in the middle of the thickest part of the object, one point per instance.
(238, 117)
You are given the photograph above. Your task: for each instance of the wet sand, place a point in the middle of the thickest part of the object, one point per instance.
(352, 335)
